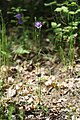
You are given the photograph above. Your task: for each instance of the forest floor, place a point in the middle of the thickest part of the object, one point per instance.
(44, 90)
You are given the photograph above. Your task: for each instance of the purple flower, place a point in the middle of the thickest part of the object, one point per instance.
(18, 16)
(20, 21)
(38, 25)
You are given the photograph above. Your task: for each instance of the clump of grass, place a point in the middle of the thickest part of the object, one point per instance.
(4, 53)
(10, 112)
(62, 56)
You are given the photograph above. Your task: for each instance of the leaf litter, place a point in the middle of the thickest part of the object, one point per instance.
(45, 90)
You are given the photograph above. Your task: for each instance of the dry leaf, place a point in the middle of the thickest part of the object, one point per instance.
(11, 92)
(50, 81)
(10, 80)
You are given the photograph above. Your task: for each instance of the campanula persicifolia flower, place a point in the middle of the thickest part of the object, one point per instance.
(20, 21)
(38, 25)
(18, 16)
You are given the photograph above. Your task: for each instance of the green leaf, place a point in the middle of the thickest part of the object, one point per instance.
(13, 8)
(73, 24)
(58, 25)
(58, 9)
(17, 9)
(6, 54)
(73, 3)
(53, 24)
(58, 30)
(71, 12)
(77, 11)
(20, 50)
(64, 9)
(49, 4)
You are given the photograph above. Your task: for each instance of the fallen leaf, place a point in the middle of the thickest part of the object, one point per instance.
(11, 92)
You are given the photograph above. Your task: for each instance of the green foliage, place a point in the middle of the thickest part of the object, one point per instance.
(20, 50)
(62, 9)
(10, 112)
(64, 28)
(21, 114)
(2, 113)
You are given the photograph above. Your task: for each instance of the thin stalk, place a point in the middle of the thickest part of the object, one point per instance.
(38, 67)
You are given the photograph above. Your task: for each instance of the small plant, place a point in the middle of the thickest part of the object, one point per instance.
(64, 26)
(10, 111)
(38, 25)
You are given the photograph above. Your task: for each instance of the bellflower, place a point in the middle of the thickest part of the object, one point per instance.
(18, 16)
(20, 21)
(38, 25)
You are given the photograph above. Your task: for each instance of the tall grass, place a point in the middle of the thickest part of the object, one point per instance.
(4, 53)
